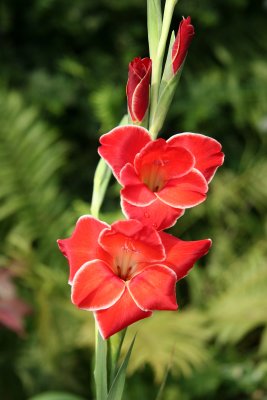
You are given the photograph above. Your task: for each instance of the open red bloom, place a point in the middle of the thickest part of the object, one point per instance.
(182, 42)
(137, 89)
(160, 178)
(125, 271)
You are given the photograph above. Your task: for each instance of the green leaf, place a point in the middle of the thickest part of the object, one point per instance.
(56, 396)
(163, 384)
(154, 25)
(116, 390)
(116, 342)
(101, 180)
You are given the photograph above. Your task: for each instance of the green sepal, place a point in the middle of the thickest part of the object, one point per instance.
(124, 120)
(168, 71)
(167, 92)
(154, 25)
(116, 390)
(143, 123)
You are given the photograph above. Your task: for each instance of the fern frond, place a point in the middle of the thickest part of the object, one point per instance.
(30, 157)
(242, 306)
(180, 337)
(107, 104)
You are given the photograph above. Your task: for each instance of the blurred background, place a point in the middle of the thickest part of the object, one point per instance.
(63, 72)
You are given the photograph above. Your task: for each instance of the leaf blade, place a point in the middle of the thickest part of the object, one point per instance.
(116, 390)
(56, 396)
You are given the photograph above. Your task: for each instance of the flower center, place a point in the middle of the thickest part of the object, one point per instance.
(126, 261)
(152, 175)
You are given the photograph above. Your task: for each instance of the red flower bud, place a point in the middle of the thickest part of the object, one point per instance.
(137, 89)
(182, 42)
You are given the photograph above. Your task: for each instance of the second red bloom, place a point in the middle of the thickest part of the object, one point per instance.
(160, 178)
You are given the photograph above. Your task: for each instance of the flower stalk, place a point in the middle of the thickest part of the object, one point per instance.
(101, 180)
(100, 371)
(158, 61)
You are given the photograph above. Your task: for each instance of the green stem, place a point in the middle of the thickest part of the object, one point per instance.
(100, 371)
(101, 180)
(157, 63)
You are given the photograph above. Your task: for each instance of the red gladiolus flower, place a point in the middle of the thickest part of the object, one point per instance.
(137, 89)
(125, 271)
(160, 178)
(182, 42)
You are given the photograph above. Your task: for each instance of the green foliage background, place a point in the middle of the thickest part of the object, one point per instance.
(62, 84)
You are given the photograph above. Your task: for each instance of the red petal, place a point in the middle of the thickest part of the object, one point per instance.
(158, 215)
(122, 314)
(187, 191)
(164, 160)
(154, 288)
(135, 191)
(207, 151)
(96, 287)
(130, 237)
(83, 246)
(181, 255)
(121, 144)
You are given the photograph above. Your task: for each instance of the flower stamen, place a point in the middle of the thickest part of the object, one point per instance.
(126, 261)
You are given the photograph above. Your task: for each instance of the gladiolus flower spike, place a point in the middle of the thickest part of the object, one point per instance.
(160, 178)
(125, 271)
(137, 88)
